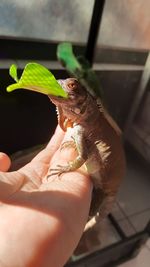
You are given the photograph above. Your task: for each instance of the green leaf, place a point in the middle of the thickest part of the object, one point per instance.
(66, 56)
(13, 72)
(80, 68)
(36, 77)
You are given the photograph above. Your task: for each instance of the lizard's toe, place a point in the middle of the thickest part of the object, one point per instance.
(58, 170)
(68, 144)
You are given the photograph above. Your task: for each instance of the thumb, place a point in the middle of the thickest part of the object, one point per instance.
(76, 183)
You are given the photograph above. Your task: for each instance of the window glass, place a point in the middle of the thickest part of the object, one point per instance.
(126, 23)
(46, 19)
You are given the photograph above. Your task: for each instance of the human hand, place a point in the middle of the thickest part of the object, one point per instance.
(42, 221)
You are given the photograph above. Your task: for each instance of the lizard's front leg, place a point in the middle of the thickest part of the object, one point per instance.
(80, 145)
(69, 144)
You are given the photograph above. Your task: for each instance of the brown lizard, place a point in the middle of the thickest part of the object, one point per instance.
(97, 142)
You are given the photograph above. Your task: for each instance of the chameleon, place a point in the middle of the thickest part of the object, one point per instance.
(97, 142)
(98, 145)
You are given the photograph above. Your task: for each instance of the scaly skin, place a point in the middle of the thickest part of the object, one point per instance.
(97, 142)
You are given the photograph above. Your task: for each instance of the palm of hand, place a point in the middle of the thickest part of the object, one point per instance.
(40, 212)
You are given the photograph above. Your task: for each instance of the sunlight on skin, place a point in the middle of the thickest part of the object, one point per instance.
(43, 220)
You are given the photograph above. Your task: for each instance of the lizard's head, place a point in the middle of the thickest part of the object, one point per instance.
(75, 105)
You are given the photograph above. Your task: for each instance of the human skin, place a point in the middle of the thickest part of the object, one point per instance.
(42, 220)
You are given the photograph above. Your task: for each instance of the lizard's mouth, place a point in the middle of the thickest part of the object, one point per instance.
(57, 100)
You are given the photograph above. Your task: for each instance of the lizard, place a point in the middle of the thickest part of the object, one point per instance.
(97, 142)
(79, 67)
(98, 145)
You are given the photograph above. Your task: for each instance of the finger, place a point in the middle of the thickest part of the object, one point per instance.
(10, 182)
(69, 197)
(5, 162)
(38, 167)
(46, 154)
(74, 180)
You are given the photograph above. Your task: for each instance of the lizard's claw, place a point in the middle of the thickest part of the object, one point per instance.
(68, 144)
(71, 166)
(59, 170)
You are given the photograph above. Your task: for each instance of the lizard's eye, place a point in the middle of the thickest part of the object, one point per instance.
(72, 85)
